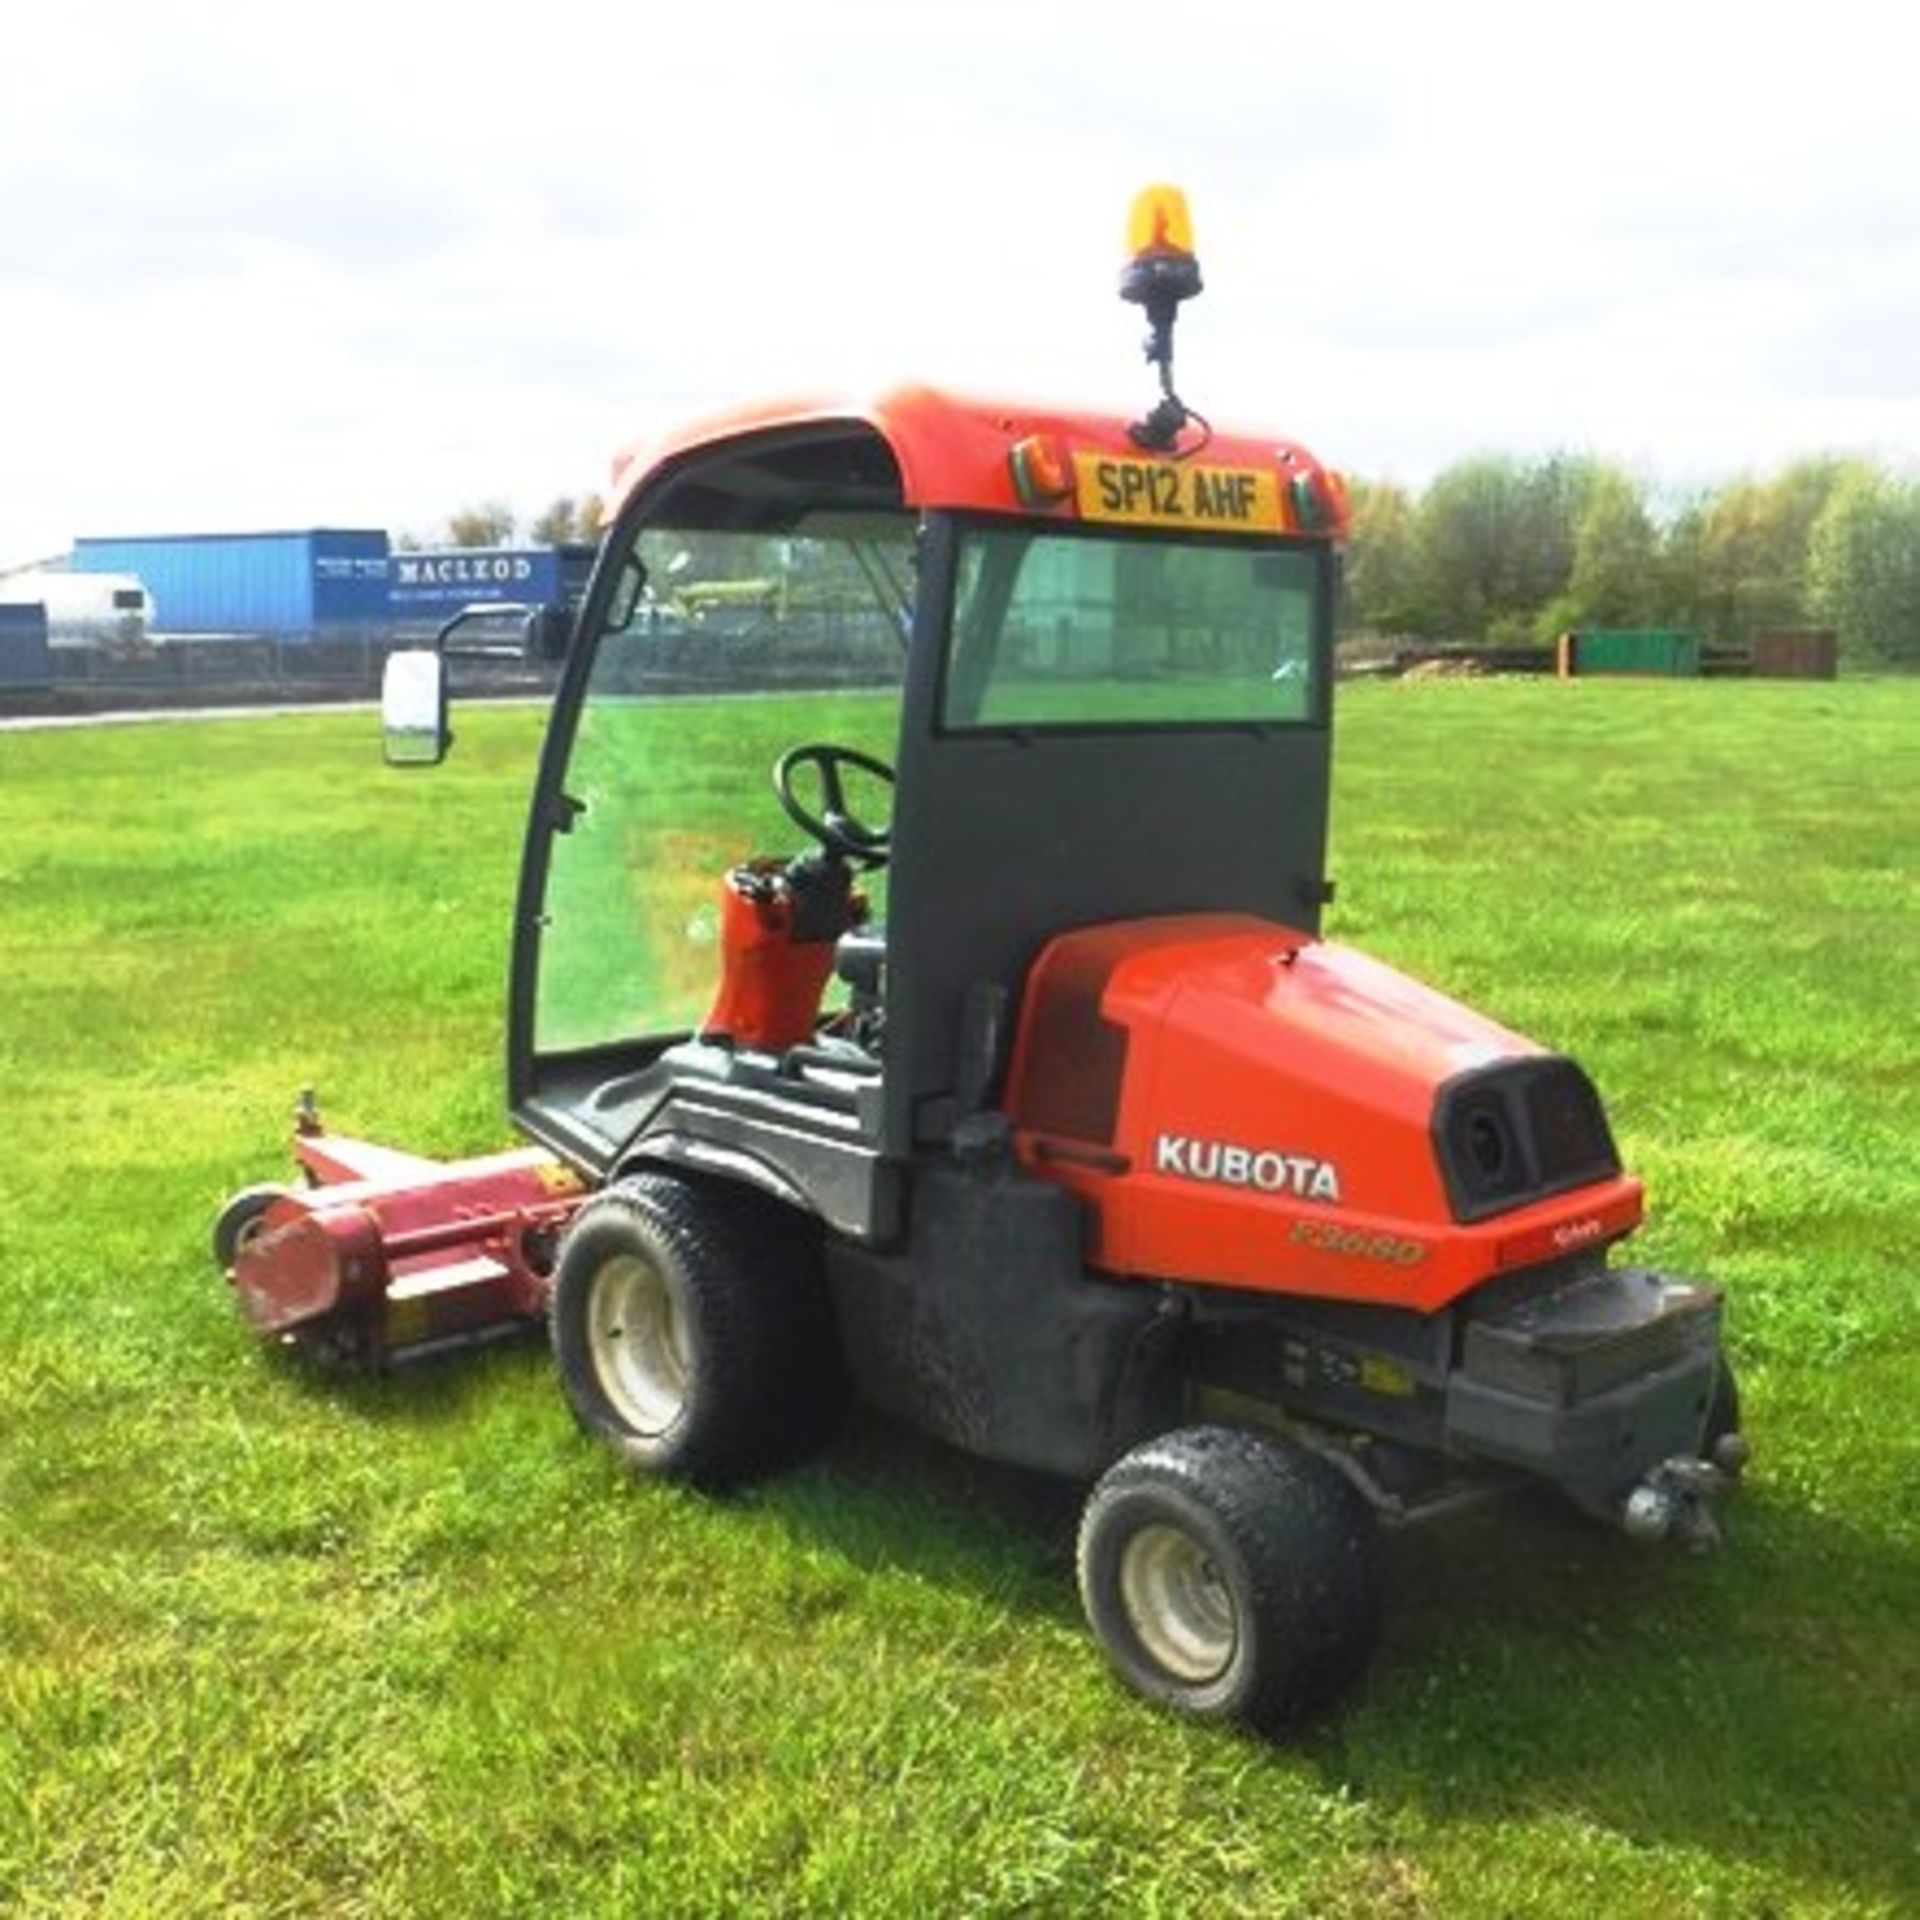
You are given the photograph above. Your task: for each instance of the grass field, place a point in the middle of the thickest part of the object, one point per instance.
(407, 1647)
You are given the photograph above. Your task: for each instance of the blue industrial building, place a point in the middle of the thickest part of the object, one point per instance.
(291, 586)
(434, 585)
(26, 659)
(281, 584)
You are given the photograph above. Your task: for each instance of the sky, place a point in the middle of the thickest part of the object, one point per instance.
(363, 265)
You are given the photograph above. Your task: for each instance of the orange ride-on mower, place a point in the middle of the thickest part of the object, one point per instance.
(1024, 1097)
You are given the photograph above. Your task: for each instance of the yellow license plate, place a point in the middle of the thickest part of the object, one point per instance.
(1177, 493)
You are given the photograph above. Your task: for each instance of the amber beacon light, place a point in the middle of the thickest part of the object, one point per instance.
(1162, 270)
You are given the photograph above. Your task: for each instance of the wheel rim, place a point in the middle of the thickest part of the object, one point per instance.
(638, 1339)
(1180, 1609)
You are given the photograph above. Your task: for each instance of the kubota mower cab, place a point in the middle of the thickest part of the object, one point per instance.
(917, 985)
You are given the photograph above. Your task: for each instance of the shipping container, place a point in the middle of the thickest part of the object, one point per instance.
(1794, 653)
(1650, 650)
(284, 584)
(26, 656)
(427, 587)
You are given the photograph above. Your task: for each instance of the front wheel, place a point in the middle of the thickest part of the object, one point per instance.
(692, 1329)
(1231, 1575)
(240, 1222)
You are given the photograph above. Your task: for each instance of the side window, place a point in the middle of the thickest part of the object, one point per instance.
(730, 649)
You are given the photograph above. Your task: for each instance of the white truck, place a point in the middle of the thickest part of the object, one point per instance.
(106, 613)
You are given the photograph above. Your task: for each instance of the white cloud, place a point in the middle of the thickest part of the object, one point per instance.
(400, 257)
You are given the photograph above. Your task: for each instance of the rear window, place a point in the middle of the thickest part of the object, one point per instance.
(1089, 629)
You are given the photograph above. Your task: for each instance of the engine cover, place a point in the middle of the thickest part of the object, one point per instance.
(1244, 1105)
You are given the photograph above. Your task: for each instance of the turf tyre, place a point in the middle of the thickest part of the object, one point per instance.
(239, 1221)
(692, 1329)
(1231, 1575)
(1723, 1418)
(1723, 1409)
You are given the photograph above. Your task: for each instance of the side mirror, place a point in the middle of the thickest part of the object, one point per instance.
(628, 588)
(413, 709)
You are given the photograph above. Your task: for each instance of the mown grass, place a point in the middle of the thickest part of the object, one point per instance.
(274, 1646)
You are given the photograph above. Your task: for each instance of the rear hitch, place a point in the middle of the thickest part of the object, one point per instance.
(1675, 1500)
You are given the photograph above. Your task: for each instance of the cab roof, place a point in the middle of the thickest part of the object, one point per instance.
(922, 448)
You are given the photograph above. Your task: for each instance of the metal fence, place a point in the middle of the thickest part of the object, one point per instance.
(249, 671)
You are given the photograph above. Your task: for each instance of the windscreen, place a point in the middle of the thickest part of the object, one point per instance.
(1072, 629)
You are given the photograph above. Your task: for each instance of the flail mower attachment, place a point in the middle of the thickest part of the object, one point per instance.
(384, 1256)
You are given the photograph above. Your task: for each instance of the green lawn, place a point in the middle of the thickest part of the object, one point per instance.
(408, 1647)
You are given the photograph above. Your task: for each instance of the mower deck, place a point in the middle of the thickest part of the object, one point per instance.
(385, 1255)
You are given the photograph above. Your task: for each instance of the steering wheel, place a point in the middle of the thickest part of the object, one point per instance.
(837, 830)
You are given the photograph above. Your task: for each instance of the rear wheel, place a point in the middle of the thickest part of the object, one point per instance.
(1231, 1575)
(692, 1329)
(1723, 1423)
(1723, 1410)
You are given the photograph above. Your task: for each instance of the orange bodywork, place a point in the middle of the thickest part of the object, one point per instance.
(959, 454)
(770, 980)
(1243, 1105)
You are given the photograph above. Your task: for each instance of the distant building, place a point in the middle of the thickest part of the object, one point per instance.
(433, 585)
(283, 584)
(295, 585)
(26, 661)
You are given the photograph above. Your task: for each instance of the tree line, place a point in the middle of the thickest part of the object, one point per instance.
(1498, 550)
(492, 523)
